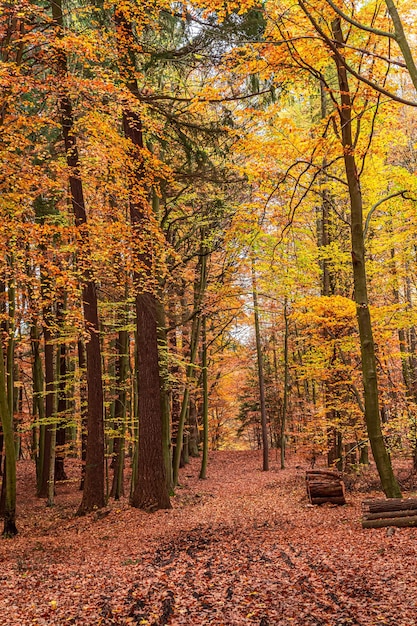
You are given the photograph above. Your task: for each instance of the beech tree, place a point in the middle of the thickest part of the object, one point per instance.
(93, 492)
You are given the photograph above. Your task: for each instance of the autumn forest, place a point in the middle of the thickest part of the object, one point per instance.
(208, 222)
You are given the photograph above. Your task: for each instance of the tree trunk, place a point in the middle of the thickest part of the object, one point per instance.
(61, 418)
(83, 407)
(369, 373)
(93, 493)
(117, 489)
(49, 409)
(199, 291)
(264, 427)
(151, 490)
(38, 400)
(286, 382)
(9, 477)
(203, 470)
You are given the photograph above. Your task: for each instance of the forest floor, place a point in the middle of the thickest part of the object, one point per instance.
(242, 547)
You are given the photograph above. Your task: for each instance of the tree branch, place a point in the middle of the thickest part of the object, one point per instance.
(378, 204)
(369, 29)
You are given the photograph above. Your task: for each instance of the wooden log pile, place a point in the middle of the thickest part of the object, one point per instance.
(325, 486)
(400, 512)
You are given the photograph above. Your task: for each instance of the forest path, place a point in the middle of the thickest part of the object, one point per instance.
(242, 547)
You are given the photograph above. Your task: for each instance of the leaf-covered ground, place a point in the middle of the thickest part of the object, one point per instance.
(242, 547)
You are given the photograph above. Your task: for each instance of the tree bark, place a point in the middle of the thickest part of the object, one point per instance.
(199, 291)
(62, 418)
(264, 427)
(369, 373)
(46, 442)
(117, 489)
(203, 470)
(286, 383)
(93, 493)
(151, 491)
(9, 477)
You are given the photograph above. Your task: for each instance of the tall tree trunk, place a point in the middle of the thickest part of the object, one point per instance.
(151, 491)
(93, 493)
(264, 427)
(334, 454)
(369, 371)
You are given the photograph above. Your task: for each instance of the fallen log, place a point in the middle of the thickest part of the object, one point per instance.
(312, 473)
(390, 514)
(326, 490)
(390, 504)
(329, 499)
(400, 522)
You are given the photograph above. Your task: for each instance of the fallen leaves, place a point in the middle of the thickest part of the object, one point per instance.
(240, 548)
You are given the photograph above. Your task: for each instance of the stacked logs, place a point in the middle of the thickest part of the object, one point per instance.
(391, 512)
(325, 486)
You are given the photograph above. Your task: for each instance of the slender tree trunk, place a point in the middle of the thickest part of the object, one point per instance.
(49, 410)
(369, 370)
(203, 470)
(122, 345)
(10, 328)
(83, 407)
(62, 417)
(175, 377)
(286, 381)
(52, 458)
(38, 399)
(199, 291)
(193, 431)
(264, 427)
(9, 477)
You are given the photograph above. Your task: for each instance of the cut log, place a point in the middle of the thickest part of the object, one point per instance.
(329, 499)
(400, 522)
(312, 473)
(390, 504)
(390, 514)
(325, 486)
(320, 490)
